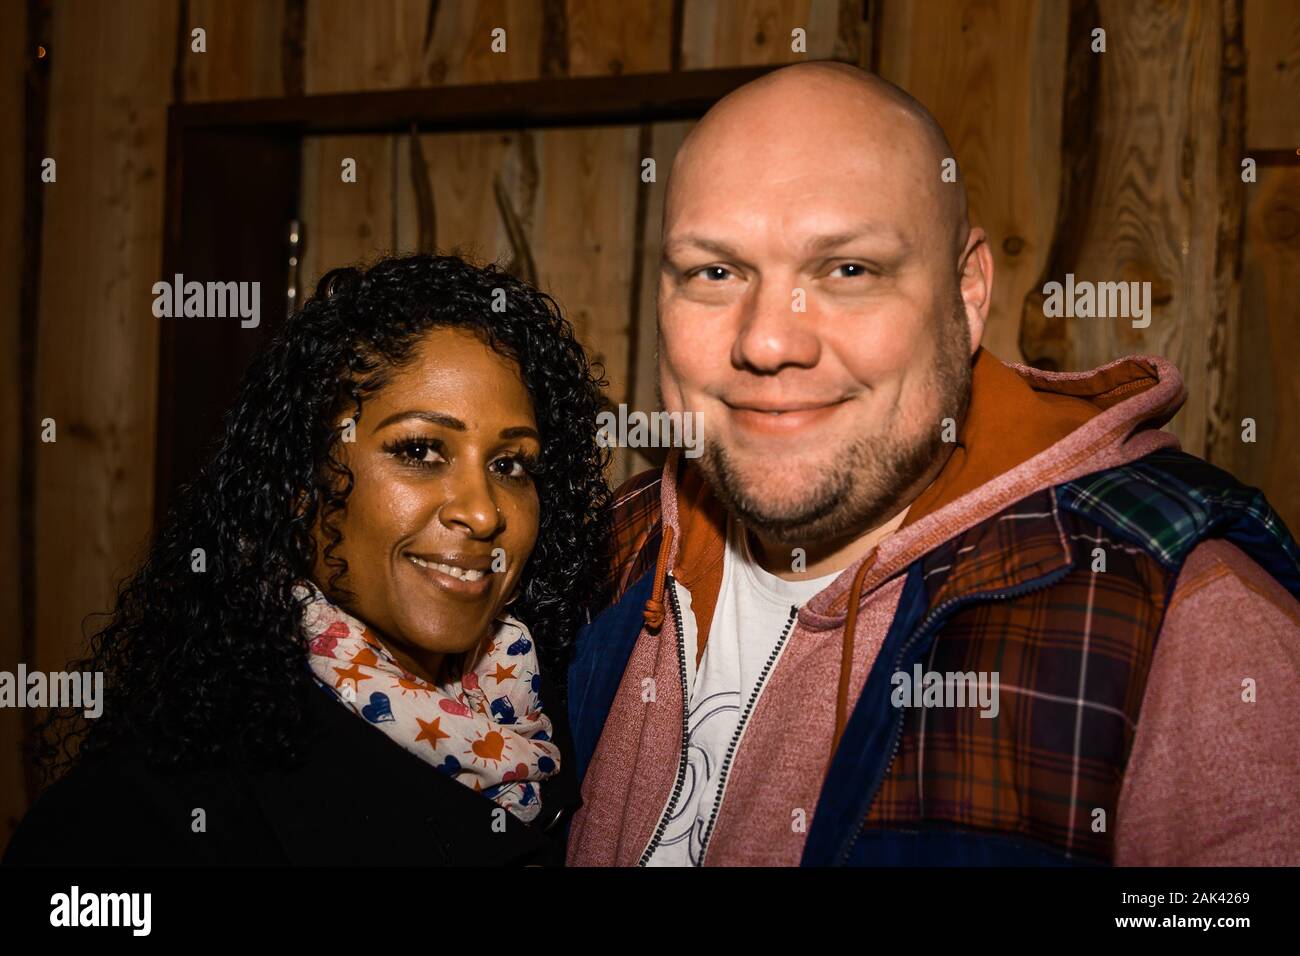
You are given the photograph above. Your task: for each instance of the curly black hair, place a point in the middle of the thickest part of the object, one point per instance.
(202, 667)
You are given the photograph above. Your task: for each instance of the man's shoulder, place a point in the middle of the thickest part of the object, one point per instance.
(1224, 591)
(1216, 719)
(1169, 502)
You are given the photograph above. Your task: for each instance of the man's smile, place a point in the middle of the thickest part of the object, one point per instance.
(780, 417)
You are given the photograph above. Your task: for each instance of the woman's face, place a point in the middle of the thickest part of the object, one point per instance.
(443, 513)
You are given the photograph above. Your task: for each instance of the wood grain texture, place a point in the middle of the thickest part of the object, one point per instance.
(1224, 318)
(1045, 341)
(418, 43)
(853, 42)
(460, 168)
(460, 44)
(748, 32)
(244, 50)
(97, 353)
(553, 45)
(583, 236)
(1268, 387)
(1152, 216)
(1272, 29)
(609, 39)
(1002, 115)
(383, 49)
(346, 223)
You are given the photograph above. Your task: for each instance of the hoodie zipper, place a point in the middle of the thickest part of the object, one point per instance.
(670, 585)
(734, 743)
(927, 626)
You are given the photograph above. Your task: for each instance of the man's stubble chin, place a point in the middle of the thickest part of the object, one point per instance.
(852, 489)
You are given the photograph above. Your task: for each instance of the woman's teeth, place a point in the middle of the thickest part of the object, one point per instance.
(464, 574)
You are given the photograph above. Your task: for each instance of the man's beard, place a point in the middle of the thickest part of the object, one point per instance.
(866, 482)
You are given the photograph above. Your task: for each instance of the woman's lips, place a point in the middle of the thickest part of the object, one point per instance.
(456, 581)
(775, 420)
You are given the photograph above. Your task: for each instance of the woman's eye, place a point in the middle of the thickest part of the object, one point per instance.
(512, 467)
(417, 452)
(422, 452)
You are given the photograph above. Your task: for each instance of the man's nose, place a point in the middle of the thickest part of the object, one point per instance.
(772, 334)
(470, 505)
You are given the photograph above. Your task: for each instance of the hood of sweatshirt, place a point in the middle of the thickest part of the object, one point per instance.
(1025, 430)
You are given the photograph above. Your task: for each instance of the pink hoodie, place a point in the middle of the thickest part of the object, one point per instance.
(1211, 779)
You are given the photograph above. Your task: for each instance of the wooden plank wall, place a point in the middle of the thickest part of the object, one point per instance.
(1269, 341)
(98, 340)
(1155, 193)
(1112, 166)
(16, 58)
(245, 57)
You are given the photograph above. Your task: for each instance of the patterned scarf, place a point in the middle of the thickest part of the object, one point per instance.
(485, 730)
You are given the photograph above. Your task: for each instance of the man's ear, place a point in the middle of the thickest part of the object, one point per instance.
(975, 281)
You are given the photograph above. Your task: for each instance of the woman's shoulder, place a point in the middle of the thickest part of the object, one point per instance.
(117, 808)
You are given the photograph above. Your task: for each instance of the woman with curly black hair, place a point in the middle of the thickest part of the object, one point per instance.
(342, 644)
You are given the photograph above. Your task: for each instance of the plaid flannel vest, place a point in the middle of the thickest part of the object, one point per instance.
(1062, 596)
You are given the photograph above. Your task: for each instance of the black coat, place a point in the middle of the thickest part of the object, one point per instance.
(356, 798)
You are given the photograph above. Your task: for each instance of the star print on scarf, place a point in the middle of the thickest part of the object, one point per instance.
(485, 730)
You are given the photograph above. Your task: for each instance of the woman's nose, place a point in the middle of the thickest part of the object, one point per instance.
(470, 505)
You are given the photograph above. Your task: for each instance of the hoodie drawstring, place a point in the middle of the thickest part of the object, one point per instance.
(846, 660)
(654, 608)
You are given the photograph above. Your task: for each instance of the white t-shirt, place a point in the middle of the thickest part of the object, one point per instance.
(753, 619)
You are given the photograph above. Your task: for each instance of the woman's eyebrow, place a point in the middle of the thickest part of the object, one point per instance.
(433, 418)
(450, 421)
(521, 431)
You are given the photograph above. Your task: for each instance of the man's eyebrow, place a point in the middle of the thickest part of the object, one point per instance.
(716, 246)
(813, 245)
(433, 418)
(864, 230)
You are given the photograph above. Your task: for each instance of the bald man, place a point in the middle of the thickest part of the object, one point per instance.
(913, 605)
